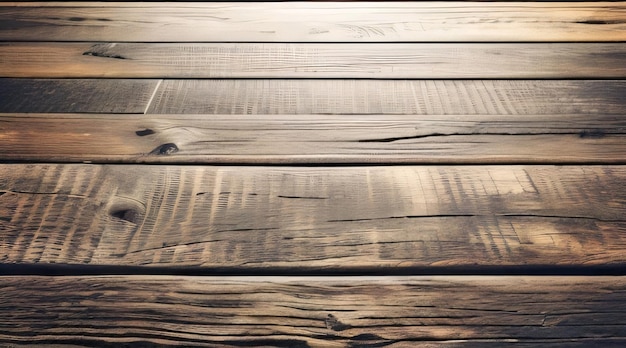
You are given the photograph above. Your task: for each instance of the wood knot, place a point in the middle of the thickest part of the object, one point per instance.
(165, 149)
(128, 210)
(144, 132)
(332, 323)
(592, 134)
(129, 215)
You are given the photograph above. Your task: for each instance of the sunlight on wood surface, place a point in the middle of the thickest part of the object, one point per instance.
(313, 174)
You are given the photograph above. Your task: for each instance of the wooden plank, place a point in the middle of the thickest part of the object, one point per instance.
(314, 312)
(416, 97)
(315, 22)
(399, 139)
(254, 60)
(72, 95)
(313, 218)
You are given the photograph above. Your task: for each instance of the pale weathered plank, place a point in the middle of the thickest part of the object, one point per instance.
(315, 22)
(72, 95)
(301, 60)
(407, 139)
(310, 219)
(417, 97)
(314, 312)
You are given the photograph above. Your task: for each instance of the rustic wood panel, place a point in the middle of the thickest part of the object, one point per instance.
(72, 95)
(408, 139)
(271, 60)
(314, 312)
(315, 22)
(417, 97)
(346, 218)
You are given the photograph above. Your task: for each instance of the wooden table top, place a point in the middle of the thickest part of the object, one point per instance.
(313, 174)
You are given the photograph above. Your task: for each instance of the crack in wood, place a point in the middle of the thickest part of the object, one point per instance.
(434, 216)
(592, 134)
(301, 197)
(18, 192)
(600, 22)
(165, 246)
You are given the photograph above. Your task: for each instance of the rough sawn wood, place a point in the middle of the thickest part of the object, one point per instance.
(313, 218)
(313, 60)
(314, 312)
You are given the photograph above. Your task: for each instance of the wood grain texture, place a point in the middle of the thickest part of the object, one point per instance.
(315, 22)
(272, 60)
(264, 139)
(416, 97)
(314, 312)
(72, 95)
(313, 218)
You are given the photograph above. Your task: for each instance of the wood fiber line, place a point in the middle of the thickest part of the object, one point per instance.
(314, 312)
(312, 218)
(417, 97)
(315, 22)
(272, 60)
(284, 139)
(72, 95)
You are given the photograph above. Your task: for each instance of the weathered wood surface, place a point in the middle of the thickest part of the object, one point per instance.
(305, 221)
(417, 97)
(313, 218)
(73, 95)
(407, 139)
(314, 312)
(345, 96)
(302, 60)
(314, 22)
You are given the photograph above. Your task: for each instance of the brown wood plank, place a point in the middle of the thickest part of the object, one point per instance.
(254, 60)
(314, 312)
(72, 95)
(407, 139)
(313, 218)
(315, 22)
(417, 97)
